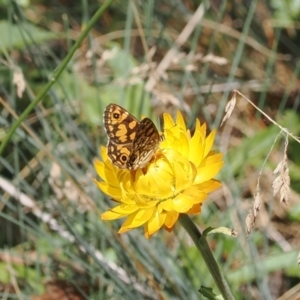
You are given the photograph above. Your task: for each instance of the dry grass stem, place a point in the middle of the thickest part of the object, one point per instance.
(65, 234)
(49, 153)
(268, 117)
(182, 38)
(281, 183)
(13, 277)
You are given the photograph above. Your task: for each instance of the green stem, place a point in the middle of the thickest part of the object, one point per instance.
(202, 245)
(56, 74)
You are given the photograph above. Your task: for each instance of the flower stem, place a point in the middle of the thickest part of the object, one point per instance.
(202, 245)
(56, 74)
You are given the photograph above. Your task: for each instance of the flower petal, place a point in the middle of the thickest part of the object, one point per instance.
(113, 192)
(137, 219)
(105, 172)
(209, 142)
(196, 145)
(196, 209)
(171, 219)
(208, 186)
(155, 223)
(209, 168)
(180, 121)
(183, 203)
(168, 121)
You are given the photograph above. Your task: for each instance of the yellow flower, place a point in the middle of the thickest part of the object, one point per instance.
(177, 180)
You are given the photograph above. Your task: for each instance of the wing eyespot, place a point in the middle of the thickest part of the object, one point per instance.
(124, 157)
(116, 115)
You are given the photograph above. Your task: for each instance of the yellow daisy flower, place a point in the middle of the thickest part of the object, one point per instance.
(176, 181)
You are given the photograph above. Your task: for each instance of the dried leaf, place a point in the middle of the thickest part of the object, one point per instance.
(224, 230)
(257, 203)
(55, 171)
(250, 220)
(109, 54)
(191, 68)
(278, 168)
(281, 183)
(215, 59)
(234, 233)
(151, 53)
(229, 108)
(18, 80)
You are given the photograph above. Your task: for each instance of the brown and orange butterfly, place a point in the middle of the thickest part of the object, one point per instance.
(131, 143)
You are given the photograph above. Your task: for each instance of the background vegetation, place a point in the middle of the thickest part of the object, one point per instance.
(52, 242)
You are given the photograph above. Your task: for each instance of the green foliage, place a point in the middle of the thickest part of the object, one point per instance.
(21, 35)
(23, 3)
(209, 294)
(248, 272)
(286, 11)
(254, 149)
(294, 213)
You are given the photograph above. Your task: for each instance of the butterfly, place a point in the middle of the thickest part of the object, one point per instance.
(131, 143)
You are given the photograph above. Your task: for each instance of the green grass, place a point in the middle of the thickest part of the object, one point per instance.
(50, 207)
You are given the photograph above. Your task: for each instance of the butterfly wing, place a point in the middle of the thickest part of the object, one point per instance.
(121, 128)
(144, 145)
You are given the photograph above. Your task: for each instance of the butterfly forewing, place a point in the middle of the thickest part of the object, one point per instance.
(120, 125)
